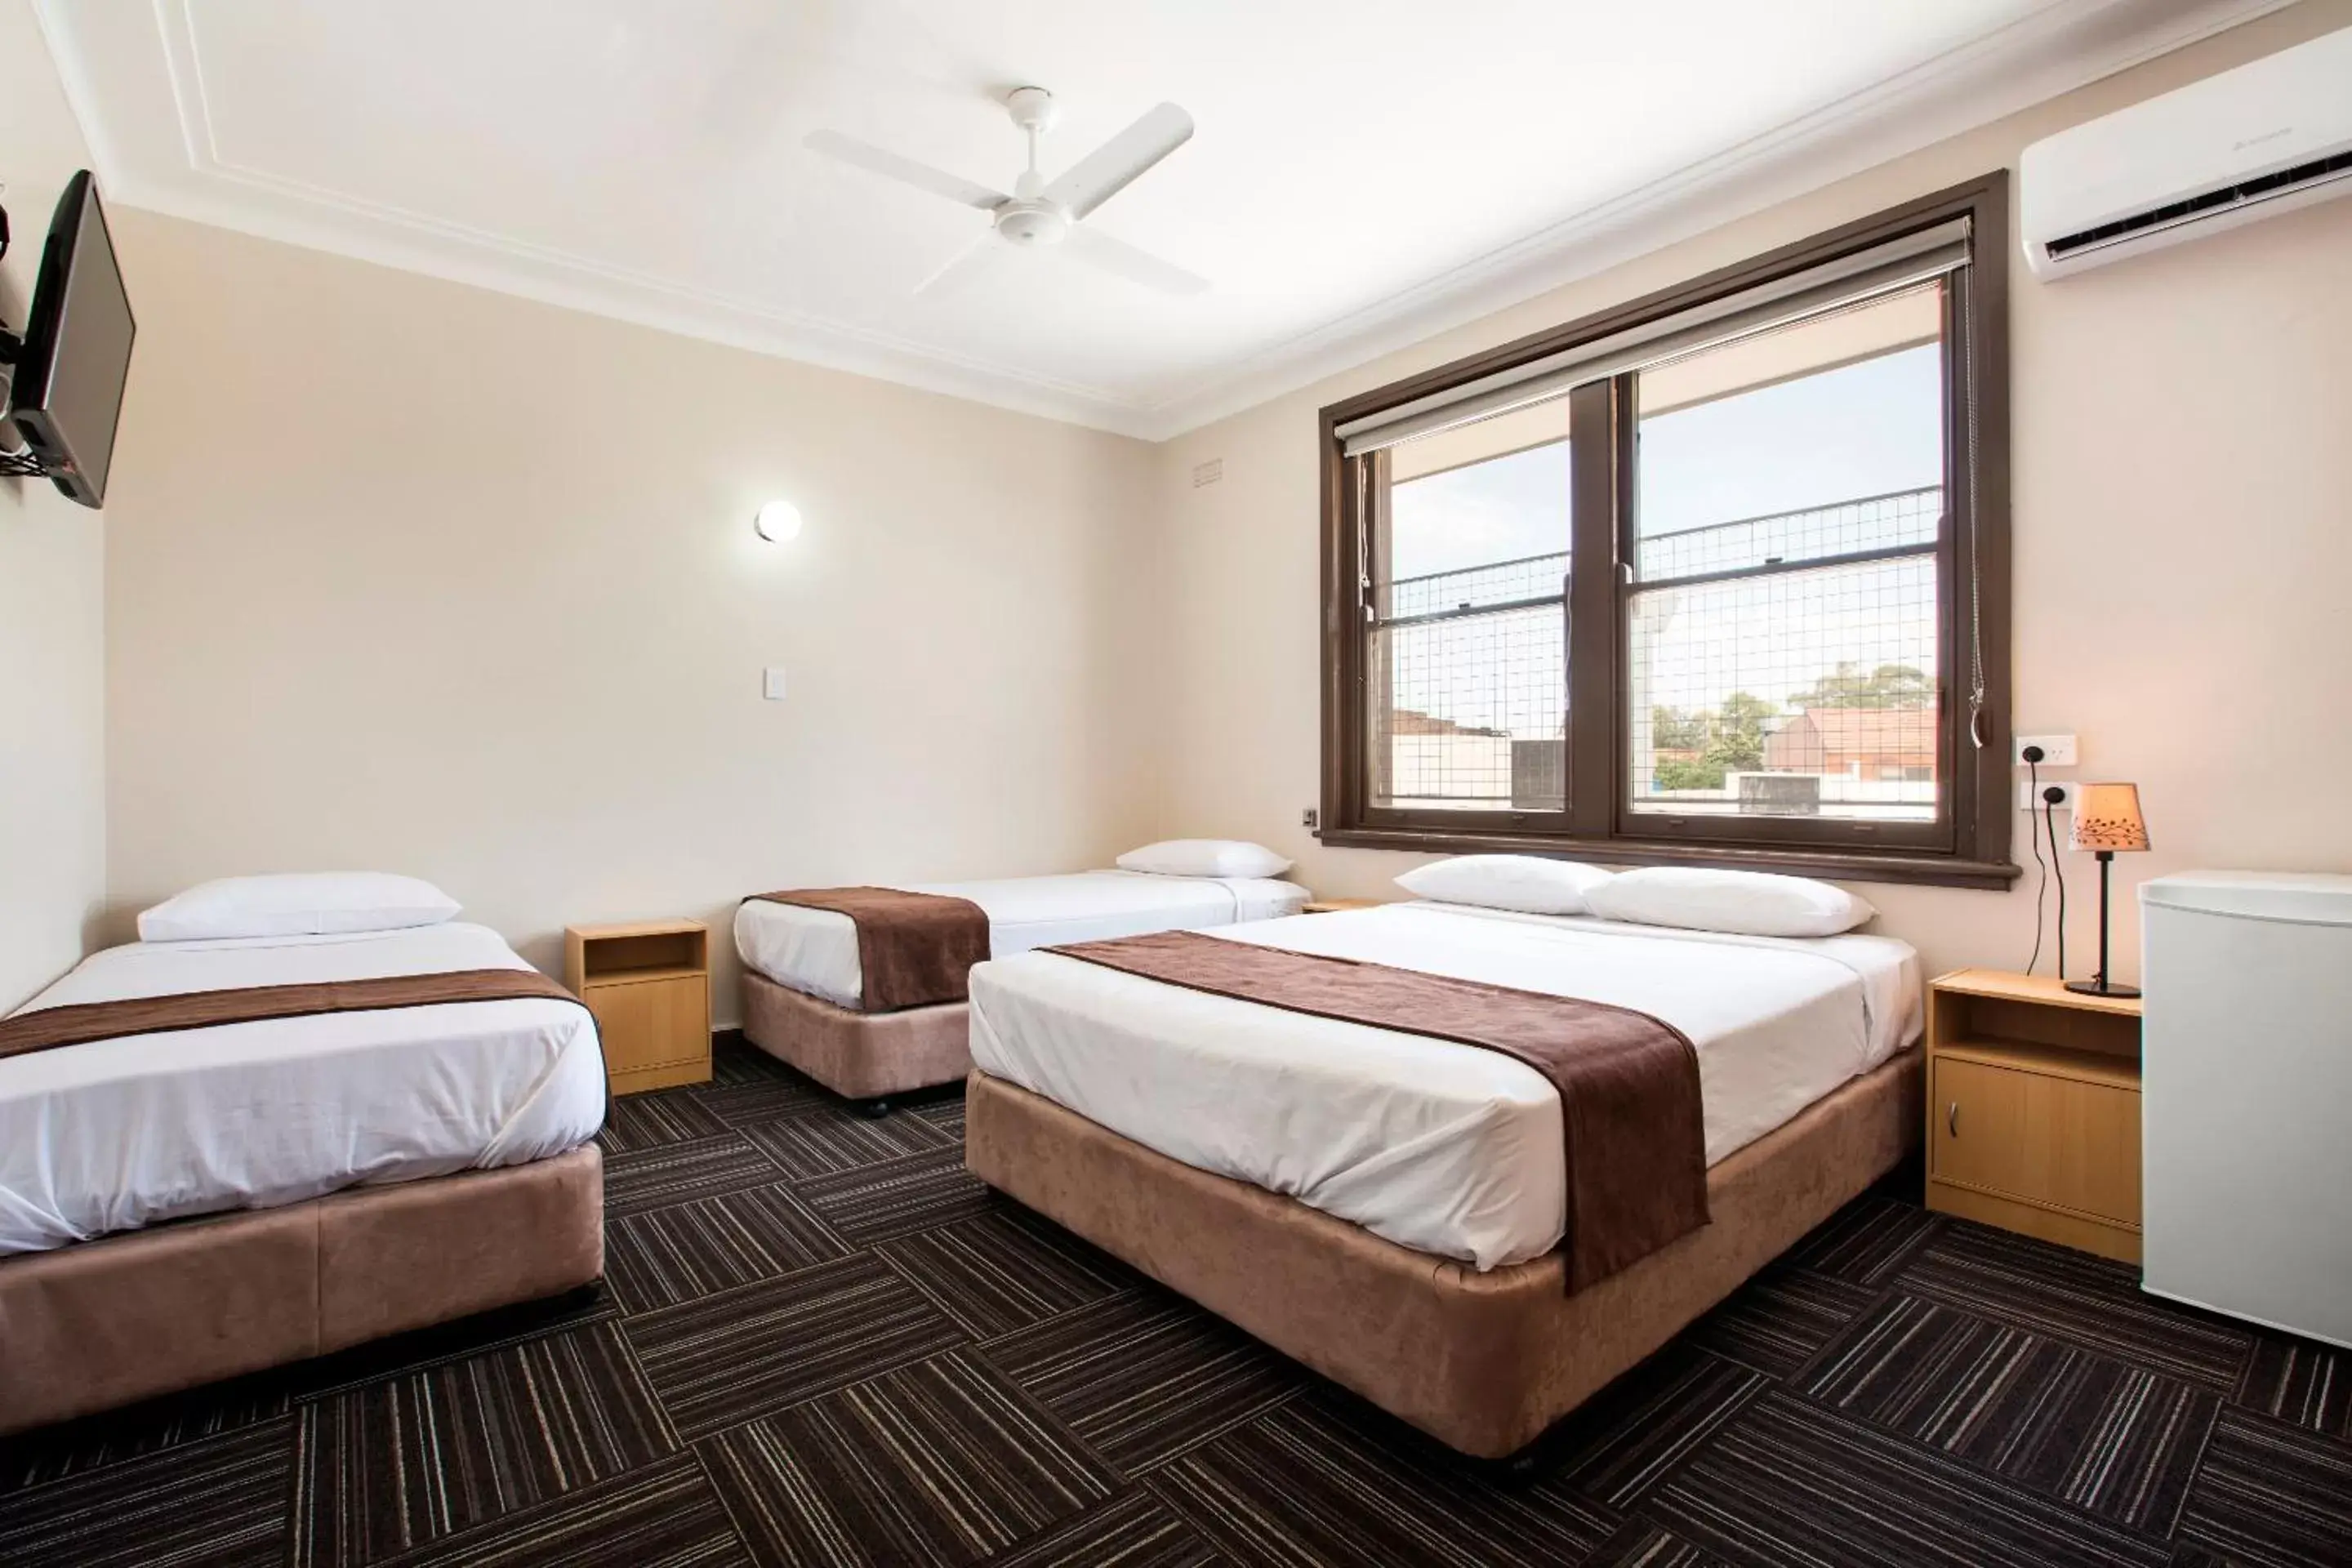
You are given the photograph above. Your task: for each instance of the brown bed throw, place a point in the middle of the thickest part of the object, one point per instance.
(82, 1022)
(913, 949)
(1633, 1135)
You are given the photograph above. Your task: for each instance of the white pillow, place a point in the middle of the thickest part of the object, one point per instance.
(1528, 883)
(298, 904)
(1204, 858)
(1750, 903)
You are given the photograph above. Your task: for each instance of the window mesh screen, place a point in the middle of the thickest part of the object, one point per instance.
(1467, 667)
(1782, 623)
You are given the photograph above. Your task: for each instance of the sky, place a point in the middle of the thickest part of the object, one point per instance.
(1861, 430)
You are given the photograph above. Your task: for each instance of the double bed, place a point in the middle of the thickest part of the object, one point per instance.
(180, 1204)
(1388, 1207)
(806, 996)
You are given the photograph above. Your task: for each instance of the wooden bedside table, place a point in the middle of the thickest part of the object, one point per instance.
(1333, 906)
(2033, 1109)
(648, 982)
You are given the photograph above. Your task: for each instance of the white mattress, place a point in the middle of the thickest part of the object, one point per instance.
(120, 1133)
(1443, 1147)
(815, 950)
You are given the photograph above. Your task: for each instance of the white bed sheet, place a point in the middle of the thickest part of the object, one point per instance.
(120, 1133)
(815, 950)
(1441, 1147)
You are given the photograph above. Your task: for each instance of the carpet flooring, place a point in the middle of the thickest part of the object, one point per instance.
(819, 1342)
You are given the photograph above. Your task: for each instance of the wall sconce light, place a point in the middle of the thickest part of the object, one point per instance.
(777, 521)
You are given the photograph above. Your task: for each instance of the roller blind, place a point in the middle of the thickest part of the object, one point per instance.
(1882, 268)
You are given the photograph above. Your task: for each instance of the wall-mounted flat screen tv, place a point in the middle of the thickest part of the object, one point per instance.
(69, 375)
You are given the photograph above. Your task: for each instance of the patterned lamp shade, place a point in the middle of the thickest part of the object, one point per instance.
(2107, 817)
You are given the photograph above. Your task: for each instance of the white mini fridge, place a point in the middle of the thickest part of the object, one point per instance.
(2246, 1096)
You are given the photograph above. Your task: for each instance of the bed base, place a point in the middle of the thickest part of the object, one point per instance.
(127, 1317)
(866, 1056)
(1484, 1362)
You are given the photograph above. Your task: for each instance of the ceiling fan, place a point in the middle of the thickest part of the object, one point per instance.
(1037, 215)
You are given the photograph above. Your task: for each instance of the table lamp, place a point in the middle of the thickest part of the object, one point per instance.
(2106, 819)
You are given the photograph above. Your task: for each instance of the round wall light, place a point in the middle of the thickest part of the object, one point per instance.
(777, 521)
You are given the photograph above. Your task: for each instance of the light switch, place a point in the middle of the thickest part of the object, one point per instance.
(772, 685)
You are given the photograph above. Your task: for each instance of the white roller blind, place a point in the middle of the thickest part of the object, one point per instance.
(1881, 268)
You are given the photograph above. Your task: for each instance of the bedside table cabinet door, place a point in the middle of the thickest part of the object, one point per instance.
(651, 1023)
(2051, 1141)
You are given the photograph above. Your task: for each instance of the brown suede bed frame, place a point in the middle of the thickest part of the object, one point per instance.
(127, 1317)
(860, 1056)
(1484, 1362)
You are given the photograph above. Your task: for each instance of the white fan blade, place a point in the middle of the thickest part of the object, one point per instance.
(906, 171)
(1113, 167)
(1098, 249)
(981, 256)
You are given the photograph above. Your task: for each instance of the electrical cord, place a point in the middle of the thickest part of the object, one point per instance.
(2050, 799)
(2033, 755)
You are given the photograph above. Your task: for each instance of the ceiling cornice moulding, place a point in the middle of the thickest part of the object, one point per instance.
(2056, 51)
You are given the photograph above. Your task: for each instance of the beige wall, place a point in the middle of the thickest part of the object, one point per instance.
(409, 575)
(2183, 482)
(52, 648)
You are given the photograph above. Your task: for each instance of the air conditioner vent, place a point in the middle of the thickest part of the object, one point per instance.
(2286, 182)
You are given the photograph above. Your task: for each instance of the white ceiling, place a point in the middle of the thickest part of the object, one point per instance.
(1365, 171)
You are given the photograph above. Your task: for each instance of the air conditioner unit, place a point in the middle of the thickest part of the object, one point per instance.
(2266, 138)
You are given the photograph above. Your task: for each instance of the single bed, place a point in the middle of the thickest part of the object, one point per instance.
(179, 1206)
(1386, 1206)
(804, 998)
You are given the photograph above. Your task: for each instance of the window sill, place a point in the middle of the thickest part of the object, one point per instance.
(1843, 865)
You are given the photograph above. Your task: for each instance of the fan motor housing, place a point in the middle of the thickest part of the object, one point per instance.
(1032, 223)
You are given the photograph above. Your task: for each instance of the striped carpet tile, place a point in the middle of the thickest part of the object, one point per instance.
(1650, 1421)
(1004, 1270)
(2272, 1495)
(2072, 1296)
(412, 1352)
(1866, 1241)
(1788, 1483)
(937, 1464)
(2109, 1438)
(706, 1245)
(1301, 1488)
(1641, 1545)
(1135, 1531)
(759, 1348)
(805, 1146)
(1143, 1376)
(636, 1121)
(664, 1516)
(399, 1464)
(677, 1173)
(897, 1197)
(2297, 1380)
(947, 1115)
(218, 1503)
(771, 1094)
(98, 1441)
(1781, 1320)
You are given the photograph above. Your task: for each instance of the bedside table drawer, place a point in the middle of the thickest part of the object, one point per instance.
(651, 1023)
(2069, 1144)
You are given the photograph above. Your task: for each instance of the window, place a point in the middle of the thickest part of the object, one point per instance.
(1718, 576)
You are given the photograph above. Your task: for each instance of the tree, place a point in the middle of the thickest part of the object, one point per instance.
(1738, 742)
(1676, 773)
(1888, 686)
(1673, 729)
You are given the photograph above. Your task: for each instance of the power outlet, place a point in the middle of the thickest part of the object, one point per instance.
(2030, 799)
(2057, 750)
(1310, 818)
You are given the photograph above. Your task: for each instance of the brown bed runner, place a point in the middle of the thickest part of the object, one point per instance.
(80, 1023)
(913, 949)
(1633, 1132)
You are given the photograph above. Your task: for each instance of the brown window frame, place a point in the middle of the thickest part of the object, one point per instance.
(1968, 846)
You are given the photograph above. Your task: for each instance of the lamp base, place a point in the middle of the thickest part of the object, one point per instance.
(2101, 988)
